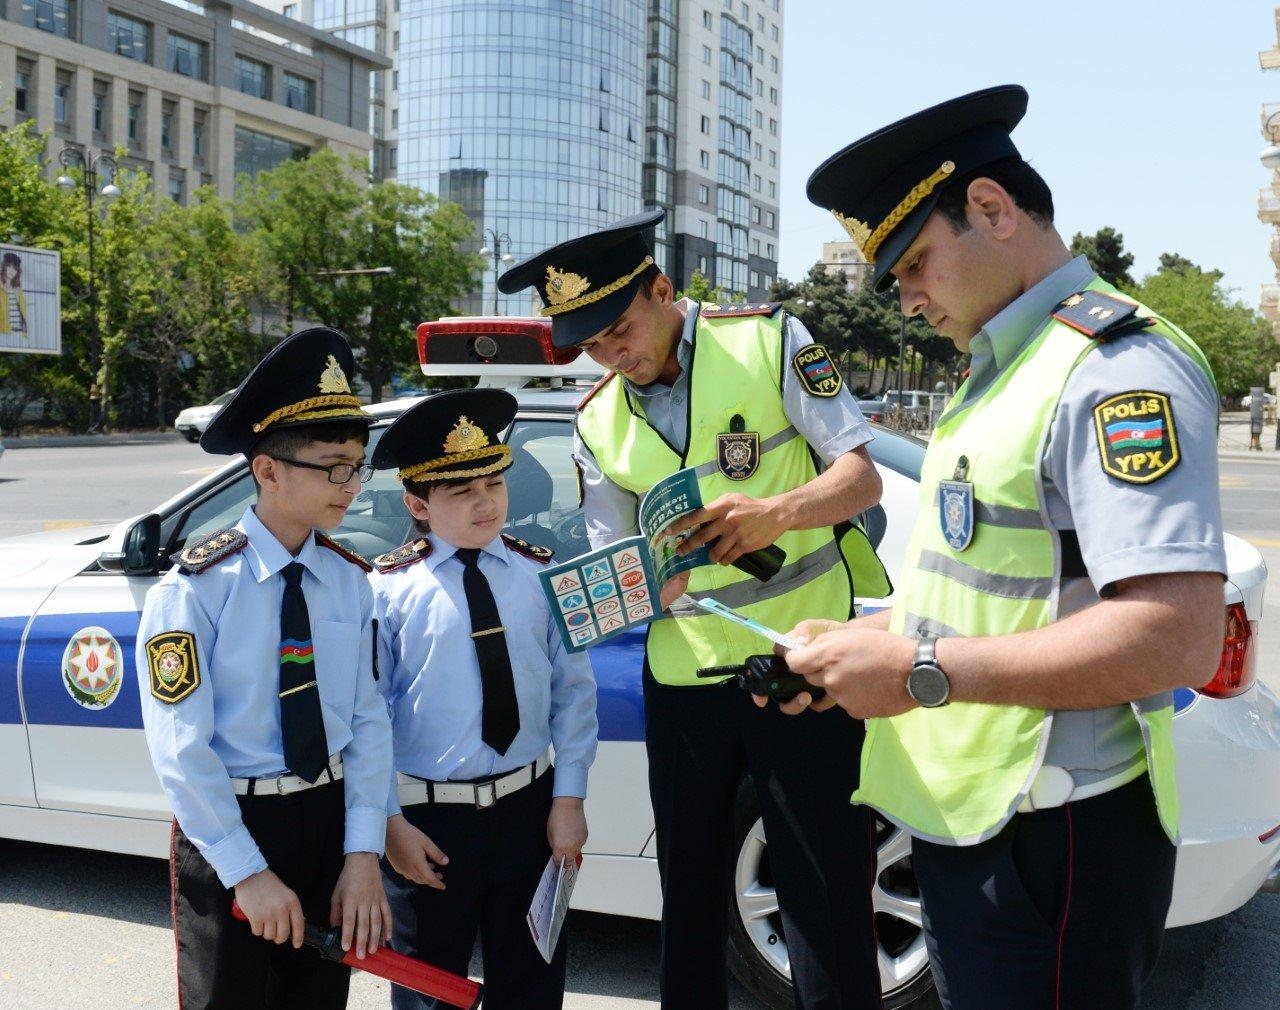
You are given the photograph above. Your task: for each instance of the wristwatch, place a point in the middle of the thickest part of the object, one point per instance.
(927, 683)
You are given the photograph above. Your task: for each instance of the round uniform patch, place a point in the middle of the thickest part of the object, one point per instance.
(92, 666)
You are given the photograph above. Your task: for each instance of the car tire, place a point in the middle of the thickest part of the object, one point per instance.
(757, 952)
(191, 436)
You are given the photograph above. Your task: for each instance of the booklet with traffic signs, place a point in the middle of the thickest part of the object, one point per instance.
(550, 904)
(604, 592)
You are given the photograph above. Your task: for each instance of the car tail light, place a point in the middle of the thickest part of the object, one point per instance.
(1236, 669)
(486, 340)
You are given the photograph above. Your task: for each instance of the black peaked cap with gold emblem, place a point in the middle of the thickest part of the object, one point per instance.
(303, 380)
(883, 187)
(454, 435)
(587, 282)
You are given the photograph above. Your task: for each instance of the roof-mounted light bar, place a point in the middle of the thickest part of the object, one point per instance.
(507, 348)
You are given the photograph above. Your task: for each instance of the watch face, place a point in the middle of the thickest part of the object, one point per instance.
(928, 685)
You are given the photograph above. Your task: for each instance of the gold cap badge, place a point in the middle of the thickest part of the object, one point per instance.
(333, 379)
(563, 286)
(464, 437)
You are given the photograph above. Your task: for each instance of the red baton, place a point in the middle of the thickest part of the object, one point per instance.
(456, 990)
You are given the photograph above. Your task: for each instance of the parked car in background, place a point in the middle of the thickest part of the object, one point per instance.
(192, 422)
(874, 408)
(77, 771)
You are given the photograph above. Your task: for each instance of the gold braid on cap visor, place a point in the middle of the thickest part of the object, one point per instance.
(436, 469)
(868, 241)
(308, 410)
(595, 296)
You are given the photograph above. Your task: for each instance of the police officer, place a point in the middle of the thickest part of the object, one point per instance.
(480, 688)
(743, 395)
(1064, 577)
(255, 663)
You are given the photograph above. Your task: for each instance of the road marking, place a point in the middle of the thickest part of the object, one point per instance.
(66, 524)
(200, 471)
(1232, 482)
(1262, 542)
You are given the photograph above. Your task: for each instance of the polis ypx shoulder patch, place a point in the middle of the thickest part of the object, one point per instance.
(1137, 438)
(818, 373)
(173, 665)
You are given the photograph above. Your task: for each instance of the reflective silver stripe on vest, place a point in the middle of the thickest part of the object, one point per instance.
(1007, 516)
(790, 577)
(915, 625)
(1013, 587)
(1153, 704)
(768, 445)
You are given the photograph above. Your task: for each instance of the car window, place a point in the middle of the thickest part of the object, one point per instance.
(221, 509)
(542, 487)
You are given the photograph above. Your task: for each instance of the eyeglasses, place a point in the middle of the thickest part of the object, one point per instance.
(339, 473)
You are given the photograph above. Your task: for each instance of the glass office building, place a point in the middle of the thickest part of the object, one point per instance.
(528, 113)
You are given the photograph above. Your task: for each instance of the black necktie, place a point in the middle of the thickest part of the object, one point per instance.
(501, 719)
(306, 753)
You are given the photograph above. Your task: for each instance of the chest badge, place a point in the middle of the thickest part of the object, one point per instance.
(738, 451)
(955, 507)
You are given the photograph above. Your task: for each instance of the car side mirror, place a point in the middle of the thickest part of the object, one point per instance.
(133, 547)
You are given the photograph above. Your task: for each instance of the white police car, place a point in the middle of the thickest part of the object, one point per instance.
(77, 770)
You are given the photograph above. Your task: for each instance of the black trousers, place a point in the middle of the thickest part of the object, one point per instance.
(496, 857)
(700, 741)
(1063, 910)
(220, 962)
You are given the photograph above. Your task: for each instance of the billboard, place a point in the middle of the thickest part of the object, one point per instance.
(30, 300)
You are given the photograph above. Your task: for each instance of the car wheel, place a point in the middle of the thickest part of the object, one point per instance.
(758, 947)
(191, 436)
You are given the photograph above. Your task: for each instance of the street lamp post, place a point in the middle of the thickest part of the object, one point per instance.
(294, 273)
(74, 157)
(494, 250)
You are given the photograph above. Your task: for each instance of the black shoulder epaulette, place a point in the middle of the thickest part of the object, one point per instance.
(542, 555)
(403, 556)
(733, 311)
(338, 549)
(1099, 315)
(595, 389)
(209, 550)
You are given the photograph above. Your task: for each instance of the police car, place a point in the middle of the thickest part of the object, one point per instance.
(77, 770)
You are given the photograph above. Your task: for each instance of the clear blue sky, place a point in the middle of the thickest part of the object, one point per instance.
(1144, 116)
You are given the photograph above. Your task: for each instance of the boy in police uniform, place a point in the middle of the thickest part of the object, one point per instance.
(255, 663)
(743, 395)
(1064, 577)
(480, 688)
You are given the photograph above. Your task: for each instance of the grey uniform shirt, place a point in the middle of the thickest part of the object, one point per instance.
(831, 425)
(1173, 524)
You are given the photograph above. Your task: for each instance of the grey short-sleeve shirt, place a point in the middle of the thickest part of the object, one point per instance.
(831, 425)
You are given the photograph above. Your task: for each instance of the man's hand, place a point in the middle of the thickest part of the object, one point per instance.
(864, 670)
(360, 904)
(804, 633)
(413, 855)
(566, 828)
(737, 523)
(673, 589)
(273, 910)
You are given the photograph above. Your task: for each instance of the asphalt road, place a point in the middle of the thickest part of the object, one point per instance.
(87, 930)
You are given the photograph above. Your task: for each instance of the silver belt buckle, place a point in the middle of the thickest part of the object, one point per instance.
(486, 795)
(280, 791)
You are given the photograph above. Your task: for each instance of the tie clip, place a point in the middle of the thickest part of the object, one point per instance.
(489, 631)
(300, 687)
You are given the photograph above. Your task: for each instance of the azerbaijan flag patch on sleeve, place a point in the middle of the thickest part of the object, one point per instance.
(1136, 436)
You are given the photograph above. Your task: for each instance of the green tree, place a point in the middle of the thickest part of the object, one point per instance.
(1105, 252)
(701, 291)
(1175, 262)
(1237, 341)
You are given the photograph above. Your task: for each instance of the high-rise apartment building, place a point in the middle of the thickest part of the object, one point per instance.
(1269, 198)
(545, 119)
(196, 93)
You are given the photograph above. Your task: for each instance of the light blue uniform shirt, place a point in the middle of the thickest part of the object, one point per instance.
(832, 425)
(430, 675)
(229, 726)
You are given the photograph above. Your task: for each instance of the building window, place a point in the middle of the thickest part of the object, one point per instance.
(253, 78)
(135, 119)
(755, 214)
(759, 118)
(755, 183)
(57, 17)
(395, 42)
(300, 93)
(755, 247)
(773, 95)
(101, 95)
(702, 265)
(706, 19)
(62, 99)
(706, 89)
(773, 32)
(759, 21)
(128, 37)
(755, 151)
(703, 229)
(705, 125)
(760, 86)
(290, 10)
(773, 158)
(168, 117)
(704, 194)
(773, 127)
(188, 57)
(773, 193)
(755, 279)
(704, 159)
(395, 119)
(759, 54)
(22, 101)
(768, 250)
(706, 55)
(773, 64)
(197, 135)
(771, 221)
(260, 152)
(391, 158)
(177, 184)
